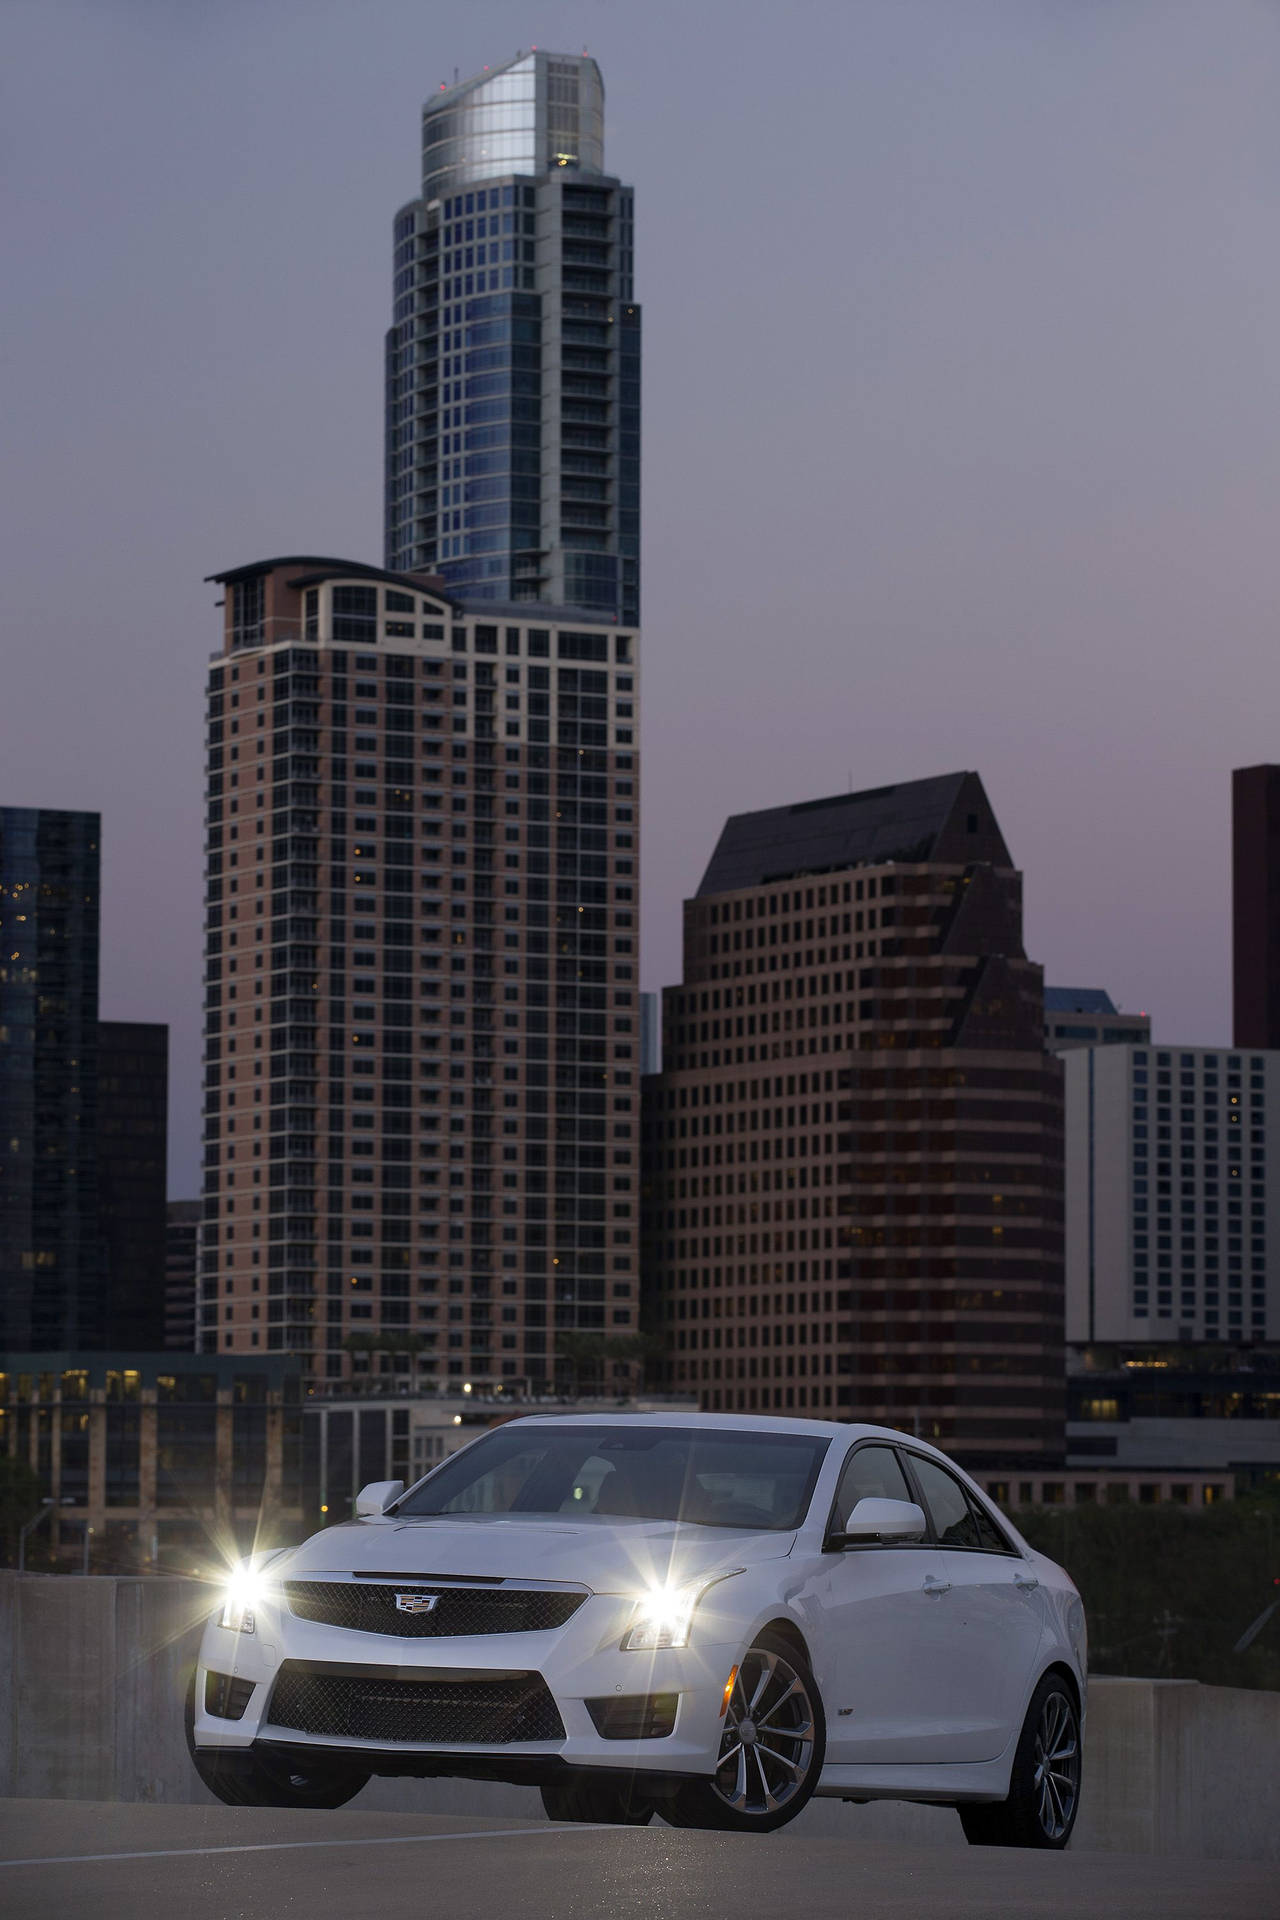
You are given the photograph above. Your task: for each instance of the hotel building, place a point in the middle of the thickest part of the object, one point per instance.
(421, 1025)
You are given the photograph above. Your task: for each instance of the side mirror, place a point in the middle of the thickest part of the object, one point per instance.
(882, 1521)
(377, 1497)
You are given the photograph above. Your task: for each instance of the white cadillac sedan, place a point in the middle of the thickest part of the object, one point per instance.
(706, 1617)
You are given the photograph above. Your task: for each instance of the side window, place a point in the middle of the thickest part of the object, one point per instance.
(989, 1534)
(947, 1504)
(871, 1473)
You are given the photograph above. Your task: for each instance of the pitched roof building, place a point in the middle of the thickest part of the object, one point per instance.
(853, 1171)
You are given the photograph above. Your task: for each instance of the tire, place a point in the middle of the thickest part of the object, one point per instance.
(759, 1785)
(245, 1778)
(596, 1802)
(1044, 1786)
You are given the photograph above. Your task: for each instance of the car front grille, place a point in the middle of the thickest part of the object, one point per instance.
(373, 1705)
(457, 1610)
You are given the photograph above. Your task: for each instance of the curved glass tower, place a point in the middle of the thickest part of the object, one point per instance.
(513, 360)
(540, 112)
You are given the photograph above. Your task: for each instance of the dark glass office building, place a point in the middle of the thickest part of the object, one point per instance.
(133, 1118)
(513, 360)
(1255, 906)
(51, 1292)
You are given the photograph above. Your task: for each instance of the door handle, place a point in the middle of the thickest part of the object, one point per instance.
(1026, 1582)
(931, 1585)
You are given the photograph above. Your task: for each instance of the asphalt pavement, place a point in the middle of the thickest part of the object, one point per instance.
(69, 1858)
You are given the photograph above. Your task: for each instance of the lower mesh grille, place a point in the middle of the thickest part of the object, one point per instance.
(369, 1706)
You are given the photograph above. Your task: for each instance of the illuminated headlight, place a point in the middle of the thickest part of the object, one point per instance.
(245, 1590)
(664, 1616)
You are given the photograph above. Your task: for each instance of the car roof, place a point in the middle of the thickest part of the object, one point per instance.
(729, 1423)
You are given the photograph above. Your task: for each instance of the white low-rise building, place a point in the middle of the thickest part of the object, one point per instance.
(1172, 1194)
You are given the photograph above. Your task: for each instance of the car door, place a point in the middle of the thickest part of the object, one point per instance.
(995, 1618)
(887, 1639)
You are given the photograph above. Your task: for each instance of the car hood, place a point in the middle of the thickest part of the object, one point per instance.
(607, 1556)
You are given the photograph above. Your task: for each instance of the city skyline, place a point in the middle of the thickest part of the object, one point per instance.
(1037, 543)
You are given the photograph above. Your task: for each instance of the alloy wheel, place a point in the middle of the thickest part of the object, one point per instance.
(1057, 1766)
(767, 1749)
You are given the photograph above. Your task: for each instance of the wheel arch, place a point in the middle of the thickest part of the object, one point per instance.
(789, 1630)
(1063, 1672)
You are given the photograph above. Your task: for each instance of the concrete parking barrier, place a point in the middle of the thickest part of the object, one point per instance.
(92, 1672)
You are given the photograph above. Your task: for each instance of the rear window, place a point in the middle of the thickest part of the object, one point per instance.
(705, 1479)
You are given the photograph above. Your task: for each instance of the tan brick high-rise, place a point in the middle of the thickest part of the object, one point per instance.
(854, 1149)
(421, 1080)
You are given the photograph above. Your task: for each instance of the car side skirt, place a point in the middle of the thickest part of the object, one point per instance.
(933, 1786)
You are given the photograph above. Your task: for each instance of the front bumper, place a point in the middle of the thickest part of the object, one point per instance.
(580, 1665)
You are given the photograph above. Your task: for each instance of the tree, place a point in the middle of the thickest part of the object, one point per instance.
(360, 1343)
(388, 1342)
(635, 1351)
(21, 1492)
(1170, 1590)
(583, 1356)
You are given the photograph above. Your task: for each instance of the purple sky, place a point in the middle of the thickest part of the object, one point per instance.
(961, 413)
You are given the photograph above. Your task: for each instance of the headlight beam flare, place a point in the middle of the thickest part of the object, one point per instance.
(664, 1616)
(245, 1591)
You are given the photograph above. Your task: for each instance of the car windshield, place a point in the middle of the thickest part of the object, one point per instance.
(705, 1478)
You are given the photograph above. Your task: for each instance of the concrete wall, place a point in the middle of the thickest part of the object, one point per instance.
(91, 1686)
(92, 1673)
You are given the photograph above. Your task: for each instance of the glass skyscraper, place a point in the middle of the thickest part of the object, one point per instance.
(51, 1278)
(513, 360)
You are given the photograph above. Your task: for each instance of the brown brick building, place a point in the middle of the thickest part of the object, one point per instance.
(853, 1179)
(421, 1078)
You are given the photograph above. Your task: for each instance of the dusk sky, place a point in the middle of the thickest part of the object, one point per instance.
(961, 421)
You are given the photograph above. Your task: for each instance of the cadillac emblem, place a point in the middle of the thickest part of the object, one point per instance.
(417, 1602)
